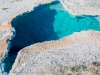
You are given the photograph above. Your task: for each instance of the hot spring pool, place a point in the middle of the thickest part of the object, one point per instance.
(44, 23)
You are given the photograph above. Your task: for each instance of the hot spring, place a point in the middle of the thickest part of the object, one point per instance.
(45, 23)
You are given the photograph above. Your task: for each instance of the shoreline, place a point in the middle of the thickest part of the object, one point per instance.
(17, 7)
(75, 49)
(81, 7)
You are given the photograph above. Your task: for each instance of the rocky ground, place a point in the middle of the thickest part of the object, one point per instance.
(82, 7)
(6, 32)
(54, 57)
(10, 8)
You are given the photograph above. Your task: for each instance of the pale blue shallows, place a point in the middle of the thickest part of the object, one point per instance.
(65, 24)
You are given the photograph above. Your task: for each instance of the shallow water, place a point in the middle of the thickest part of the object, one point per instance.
(65, 24)
(46, 22)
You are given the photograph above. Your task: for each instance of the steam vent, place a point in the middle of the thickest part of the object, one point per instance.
(49, 37)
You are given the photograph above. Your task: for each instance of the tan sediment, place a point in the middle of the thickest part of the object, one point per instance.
(50, 45)
(5, 27)
(4, 45)
(3, 41)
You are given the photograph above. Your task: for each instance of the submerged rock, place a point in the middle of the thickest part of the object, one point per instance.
(48, 57)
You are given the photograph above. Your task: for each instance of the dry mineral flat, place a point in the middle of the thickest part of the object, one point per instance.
(10, 8)
(82, 7)
(48, 57)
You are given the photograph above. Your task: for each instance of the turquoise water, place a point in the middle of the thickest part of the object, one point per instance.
(45, 23)
(65, 24)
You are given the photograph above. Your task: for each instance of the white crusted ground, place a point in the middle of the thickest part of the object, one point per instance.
(47, 58)
(15, 7)
(82, 7)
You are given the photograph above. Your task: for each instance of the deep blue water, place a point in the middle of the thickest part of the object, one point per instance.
(44, 23)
